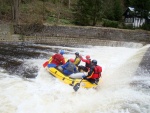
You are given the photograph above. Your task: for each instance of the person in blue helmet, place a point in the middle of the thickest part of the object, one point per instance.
(58, 58)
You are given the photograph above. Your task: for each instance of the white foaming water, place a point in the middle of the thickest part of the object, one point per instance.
(46, 94)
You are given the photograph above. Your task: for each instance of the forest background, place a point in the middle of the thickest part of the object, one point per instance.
(106, 13)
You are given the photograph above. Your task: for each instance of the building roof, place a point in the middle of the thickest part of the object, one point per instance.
(129, 11)
(131, 8)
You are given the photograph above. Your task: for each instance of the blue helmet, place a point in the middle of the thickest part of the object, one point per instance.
(62, 52)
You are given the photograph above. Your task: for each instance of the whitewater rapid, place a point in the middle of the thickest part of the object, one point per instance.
(46, 94)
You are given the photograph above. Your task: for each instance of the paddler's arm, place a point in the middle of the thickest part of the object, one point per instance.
(90, 72)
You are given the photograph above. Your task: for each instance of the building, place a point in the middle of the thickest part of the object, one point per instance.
(134, 17)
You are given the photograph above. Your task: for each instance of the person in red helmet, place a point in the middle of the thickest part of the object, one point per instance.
(58, 58)
(87, 64)
(69, 67)
(94, 74)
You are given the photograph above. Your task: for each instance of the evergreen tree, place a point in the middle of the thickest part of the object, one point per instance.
(96, 12)
(88, 12)
(117, 10)
(109, 11)
(114, 11)
(127, 3)
(141, 4)
(80, 11)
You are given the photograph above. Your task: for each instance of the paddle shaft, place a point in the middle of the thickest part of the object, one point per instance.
(80, 81)
(77, 86)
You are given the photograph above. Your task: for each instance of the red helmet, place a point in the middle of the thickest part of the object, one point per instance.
(87, 56)
(71, 60)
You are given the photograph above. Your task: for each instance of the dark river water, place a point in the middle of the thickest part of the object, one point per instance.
(13, 55)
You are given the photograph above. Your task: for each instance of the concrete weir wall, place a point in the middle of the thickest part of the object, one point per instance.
(5, 32)
(71, 35)
(82, 35)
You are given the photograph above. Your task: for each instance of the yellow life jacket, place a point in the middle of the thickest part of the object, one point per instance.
(77, 61)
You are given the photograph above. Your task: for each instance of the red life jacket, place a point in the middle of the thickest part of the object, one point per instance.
(57, 59)
(97, 72)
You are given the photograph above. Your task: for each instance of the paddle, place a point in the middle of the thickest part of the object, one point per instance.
(45, 64)
(77, 86)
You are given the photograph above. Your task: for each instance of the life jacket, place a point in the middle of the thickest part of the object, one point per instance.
(77, 61)
(97, 72)
(57, 59)
(70, 67)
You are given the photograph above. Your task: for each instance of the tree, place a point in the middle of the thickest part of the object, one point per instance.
(141, 4)
(114, 11)
(67, 2)
(88, 12)
(15, 10)
(109, 11)
(127, 3)
(59, 6)
(96, 12)
(117, 10)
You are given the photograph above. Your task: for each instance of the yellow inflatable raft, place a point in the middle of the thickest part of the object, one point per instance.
(67, 80)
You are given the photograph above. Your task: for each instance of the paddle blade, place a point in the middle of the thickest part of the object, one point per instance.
(51, 65)
(76, 87)
(45, 64)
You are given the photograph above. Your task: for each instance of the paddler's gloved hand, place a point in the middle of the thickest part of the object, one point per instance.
(80, 56)
(84, 77)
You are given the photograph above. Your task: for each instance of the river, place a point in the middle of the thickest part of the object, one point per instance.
(26, 87)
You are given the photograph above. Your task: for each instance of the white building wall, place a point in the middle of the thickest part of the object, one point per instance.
(138, 22)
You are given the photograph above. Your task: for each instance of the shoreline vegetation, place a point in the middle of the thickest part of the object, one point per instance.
(52, 19)
(71, 12)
